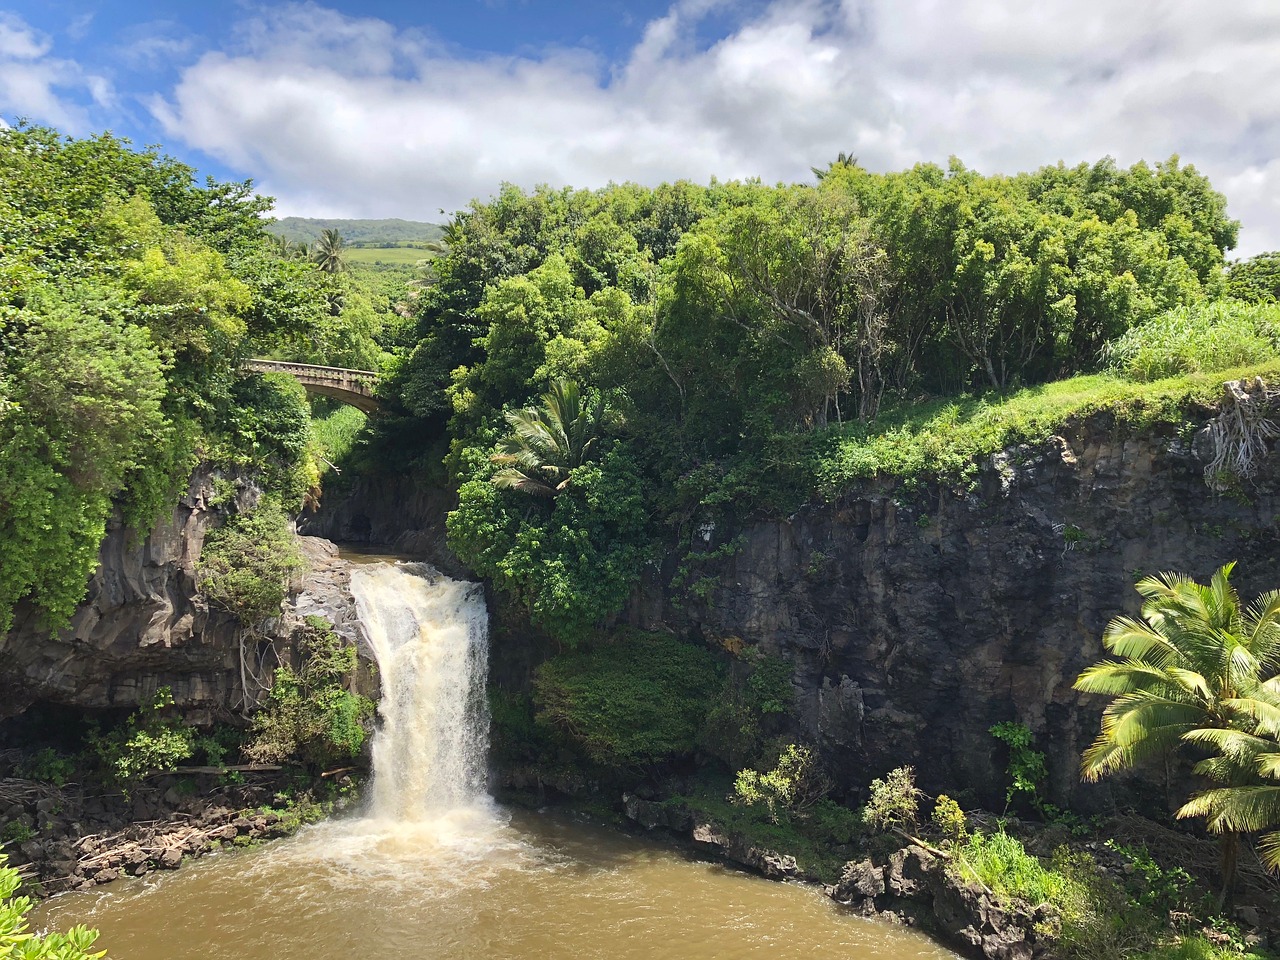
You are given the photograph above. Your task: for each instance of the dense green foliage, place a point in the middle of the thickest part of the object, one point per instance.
(638, 700)
(246, 564)
(1256, 280)
(1148, 912)
(129, 296)
(762, 344)
(310, 714)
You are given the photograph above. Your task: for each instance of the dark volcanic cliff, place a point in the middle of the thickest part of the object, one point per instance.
(916, 619)
(915, 616)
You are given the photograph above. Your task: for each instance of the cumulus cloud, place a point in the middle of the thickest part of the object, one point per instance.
(342, 115)
(36, 85)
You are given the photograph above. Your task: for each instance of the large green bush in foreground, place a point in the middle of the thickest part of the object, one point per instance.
(16, 940)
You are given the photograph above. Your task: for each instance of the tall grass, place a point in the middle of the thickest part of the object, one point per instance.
(1002, 864)
(1198, 338)
(335, 434)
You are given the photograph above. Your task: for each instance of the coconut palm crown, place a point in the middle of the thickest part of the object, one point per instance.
(548, 441)
(1190, 663)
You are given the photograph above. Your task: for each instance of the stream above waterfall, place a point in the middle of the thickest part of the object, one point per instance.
(431, 867)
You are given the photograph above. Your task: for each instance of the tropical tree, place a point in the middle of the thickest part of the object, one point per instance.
(1195, 669)
(549, 441)
(1247, 807)
(329, 252)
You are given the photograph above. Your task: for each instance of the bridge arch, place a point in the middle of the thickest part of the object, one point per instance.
(353, 387)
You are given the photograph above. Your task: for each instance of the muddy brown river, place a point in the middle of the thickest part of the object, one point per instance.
(479, 885)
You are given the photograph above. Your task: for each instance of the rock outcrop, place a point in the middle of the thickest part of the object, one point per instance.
(144, 624)
(916, 885)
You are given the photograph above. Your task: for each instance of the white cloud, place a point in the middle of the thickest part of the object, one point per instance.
(34, 84)
(342, 115)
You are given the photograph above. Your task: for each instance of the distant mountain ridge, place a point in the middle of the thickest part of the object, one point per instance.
(367, 233)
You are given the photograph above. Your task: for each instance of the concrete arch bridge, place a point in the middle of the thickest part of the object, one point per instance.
(353, 387)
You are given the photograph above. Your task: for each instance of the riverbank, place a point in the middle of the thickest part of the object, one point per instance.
(70, 838)
(918, 884)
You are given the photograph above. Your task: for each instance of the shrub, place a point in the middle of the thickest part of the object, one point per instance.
(794, 784)
(636, 700)
(48, 766)
(247, 563)
(572, 562)
(895, 801)
(949, 819)
(147, 743)
(17, 943)
(1026, 764)
(834, 823)
(310, 714)
(1200, 338)
(748, 710)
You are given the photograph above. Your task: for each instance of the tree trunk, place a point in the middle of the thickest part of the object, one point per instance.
(1230, 849)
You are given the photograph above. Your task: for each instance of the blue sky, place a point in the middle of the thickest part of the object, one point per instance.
(398, 109)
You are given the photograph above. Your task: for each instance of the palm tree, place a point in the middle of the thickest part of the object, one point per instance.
(1195, 662)
(287, 249)
(1249, 763)
(549, 441)
(329, 252)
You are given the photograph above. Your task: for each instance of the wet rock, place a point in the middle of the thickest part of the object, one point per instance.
(170, 858)
(710, 834)
(858, 881)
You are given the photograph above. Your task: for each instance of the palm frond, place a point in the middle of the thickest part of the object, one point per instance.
(1119, 677)
(1244, 809)
(1269, 850)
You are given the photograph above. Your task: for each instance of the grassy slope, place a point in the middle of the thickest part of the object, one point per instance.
(398, 256)
(947, 438)
(391, 231)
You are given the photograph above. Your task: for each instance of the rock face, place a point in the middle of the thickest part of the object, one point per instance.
(916, 885)
(917, 618)
(144, 625)
(393, 513)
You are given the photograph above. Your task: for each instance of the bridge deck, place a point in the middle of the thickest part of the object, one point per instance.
(354, 387)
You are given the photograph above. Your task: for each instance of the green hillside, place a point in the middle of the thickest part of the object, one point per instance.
(365, 233)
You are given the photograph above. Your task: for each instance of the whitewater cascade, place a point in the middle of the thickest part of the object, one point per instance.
(430, 635)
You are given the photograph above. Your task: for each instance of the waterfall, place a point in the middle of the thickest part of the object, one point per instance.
(430, 636)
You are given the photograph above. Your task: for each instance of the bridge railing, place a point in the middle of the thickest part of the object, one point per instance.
(312, 371)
